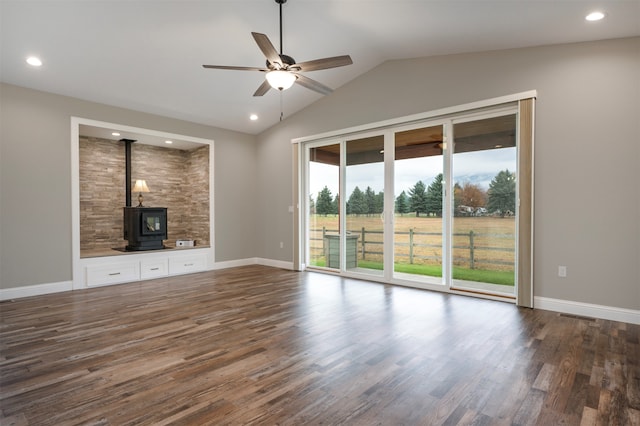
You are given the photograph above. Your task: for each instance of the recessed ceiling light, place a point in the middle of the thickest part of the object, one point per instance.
(168, 142)
(594, 16)
(115, 134)
(253, 117)
(33, 61)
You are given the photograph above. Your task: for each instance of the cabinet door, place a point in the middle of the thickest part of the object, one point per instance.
(154, 268)
(187, 264)
(112, 274)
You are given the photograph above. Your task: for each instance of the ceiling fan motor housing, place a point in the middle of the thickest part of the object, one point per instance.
(287, 61)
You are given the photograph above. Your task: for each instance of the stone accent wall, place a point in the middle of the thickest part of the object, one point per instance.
(197, 179)
(102, 191)
(178, 180)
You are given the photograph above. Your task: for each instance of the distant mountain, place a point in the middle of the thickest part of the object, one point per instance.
(483, 180)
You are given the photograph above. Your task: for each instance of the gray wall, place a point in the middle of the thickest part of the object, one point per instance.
(587, 151)
(35, 182)
(587, 200)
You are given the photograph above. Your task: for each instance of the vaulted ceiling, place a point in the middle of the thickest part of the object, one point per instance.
(148, 55)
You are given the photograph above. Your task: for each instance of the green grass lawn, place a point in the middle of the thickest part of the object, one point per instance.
(480, 275)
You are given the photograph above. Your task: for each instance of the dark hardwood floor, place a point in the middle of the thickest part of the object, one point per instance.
(258, 345)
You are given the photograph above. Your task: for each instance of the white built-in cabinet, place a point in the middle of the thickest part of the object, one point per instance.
(132, 267)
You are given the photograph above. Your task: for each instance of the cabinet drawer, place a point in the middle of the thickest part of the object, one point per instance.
(154, 269)
(187, 264)
(112, 274)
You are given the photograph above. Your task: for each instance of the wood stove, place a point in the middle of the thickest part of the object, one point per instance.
(145, 227)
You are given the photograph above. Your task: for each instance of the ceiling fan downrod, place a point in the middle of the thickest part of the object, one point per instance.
(281, 2)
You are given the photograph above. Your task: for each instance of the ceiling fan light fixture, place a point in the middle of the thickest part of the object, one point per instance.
(280, 80)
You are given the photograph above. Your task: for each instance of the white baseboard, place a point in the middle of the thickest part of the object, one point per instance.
(35, 290)
(275, 263)
(254, 261)
(234, 263)
(587, 310)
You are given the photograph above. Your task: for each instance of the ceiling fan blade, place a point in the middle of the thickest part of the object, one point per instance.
(323, 64)
(267, 49)
(313, 85)
(227, 67)
(264, 88)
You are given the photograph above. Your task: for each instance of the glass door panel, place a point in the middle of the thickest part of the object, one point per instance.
(484, 172)
(418, 221)
(364, 189)
(323, 231)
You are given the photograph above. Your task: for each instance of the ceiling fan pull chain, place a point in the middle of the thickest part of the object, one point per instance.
(281, 109)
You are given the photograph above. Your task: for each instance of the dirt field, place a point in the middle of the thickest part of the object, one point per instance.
(493, 239)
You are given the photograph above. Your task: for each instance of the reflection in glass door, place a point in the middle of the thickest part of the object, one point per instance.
(323, 227)
(484, 205)
(364, 186)
(418, 221)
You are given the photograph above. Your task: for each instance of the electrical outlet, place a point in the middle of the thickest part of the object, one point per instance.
(562, 271)
(281, 244)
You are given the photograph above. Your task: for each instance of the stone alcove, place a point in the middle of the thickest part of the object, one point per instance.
(178, 179)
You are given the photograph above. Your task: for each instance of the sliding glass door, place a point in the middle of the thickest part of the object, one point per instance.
(418, 210)
(356, 168)
(433, 204)
(364, 186)
(484, 175)
(323, 206)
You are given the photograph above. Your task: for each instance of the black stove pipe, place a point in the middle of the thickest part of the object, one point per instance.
(127, 170)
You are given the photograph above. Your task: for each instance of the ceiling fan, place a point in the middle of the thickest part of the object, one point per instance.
(282, 70)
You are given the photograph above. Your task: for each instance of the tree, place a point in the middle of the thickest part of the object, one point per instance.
(357, 204)
(433, 200)
(418, 198)
(335, 205)
(324, 202)
(502, 193)
(472, 195)
(370, 198)
(312, 205)
(402, 203)
(379, 206)
(457, 197)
